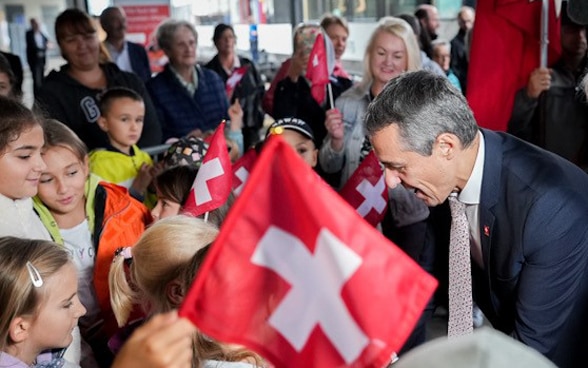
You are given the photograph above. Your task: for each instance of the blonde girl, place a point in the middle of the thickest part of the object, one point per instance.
(160, 274)
(40, 305)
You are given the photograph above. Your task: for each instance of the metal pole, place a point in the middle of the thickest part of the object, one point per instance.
(544, 33)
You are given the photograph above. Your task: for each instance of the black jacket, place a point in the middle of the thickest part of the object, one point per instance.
(67, 100)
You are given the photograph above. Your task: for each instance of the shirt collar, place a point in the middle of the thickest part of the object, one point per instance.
(190, 86)
(470, 194)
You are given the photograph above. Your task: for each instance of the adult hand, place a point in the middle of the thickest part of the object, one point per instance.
(165, 341)
(539, 81)
(143, 179)
(335, 128)
(196, 133)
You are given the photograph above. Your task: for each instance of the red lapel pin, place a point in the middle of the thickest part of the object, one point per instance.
(486, 230)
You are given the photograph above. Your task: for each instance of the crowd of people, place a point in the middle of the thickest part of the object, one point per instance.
(96, 248)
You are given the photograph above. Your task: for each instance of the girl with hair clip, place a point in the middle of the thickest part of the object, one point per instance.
(21, 165)
(157, 280)
(40, 305)
(90, 218)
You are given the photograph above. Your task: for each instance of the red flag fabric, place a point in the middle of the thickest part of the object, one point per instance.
(317, 70)
(366, 190)
(505, 50)
(297, 276)
(234, 80)
(242, 169)
(214, 180)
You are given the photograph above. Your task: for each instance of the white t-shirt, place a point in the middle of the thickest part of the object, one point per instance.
(78, 242)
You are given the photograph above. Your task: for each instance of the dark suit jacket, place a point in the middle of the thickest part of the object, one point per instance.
(16, 66)
(534, 237)
(32, 48)
(139, 61)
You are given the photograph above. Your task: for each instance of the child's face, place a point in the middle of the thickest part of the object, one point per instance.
(62, 183)
(165, 208)
(58, 312)
(123, 122)
(5, 86)
(302, 145)
(21, 164)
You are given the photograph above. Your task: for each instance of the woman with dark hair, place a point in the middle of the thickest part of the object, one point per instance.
(249, 89)
(84, 77)
(8, 83)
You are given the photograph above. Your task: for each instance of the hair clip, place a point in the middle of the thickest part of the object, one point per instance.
(34, 275)
(124, 252)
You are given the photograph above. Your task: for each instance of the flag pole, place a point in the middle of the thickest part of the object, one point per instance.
(543, 64)
(330, 93)
(544, 33)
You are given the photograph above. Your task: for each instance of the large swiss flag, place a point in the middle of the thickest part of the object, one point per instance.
(366, 190)
(214, 180)
(505, 50)
(297, 276)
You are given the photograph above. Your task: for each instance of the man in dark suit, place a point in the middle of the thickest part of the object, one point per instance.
(36, 53)
(527, 210)
(129, 56)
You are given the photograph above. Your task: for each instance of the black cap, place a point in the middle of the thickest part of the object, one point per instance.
(566, 20)
(294, 124)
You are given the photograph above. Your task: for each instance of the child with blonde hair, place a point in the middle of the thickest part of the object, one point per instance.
(160, 274)
(40, 305)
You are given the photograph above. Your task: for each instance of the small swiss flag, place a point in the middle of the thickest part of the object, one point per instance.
(214, 180)
(301, 279)
(317, 70)
(234, 80)
(366, 190)
(242, 169)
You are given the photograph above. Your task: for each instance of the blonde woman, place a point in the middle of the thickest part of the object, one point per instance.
(392, 49)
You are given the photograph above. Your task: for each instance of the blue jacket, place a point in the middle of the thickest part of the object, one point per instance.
(180, 113)
(139, 61)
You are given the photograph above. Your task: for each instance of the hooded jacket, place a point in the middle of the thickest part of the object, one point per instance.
(115, 220)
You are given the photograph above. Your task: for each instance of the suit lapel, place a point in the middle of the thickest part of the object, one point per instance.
(490, 191)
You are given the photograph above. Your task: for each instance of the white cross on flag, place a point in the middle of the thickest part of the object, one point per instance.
(214, 180)
(366, 190)
(241, 170)
(234, 80)
(297, 277)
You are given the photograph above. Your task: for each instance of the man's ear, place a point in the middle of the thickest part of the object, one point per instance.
(447, 145)
(174, 293)
(19, 329)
